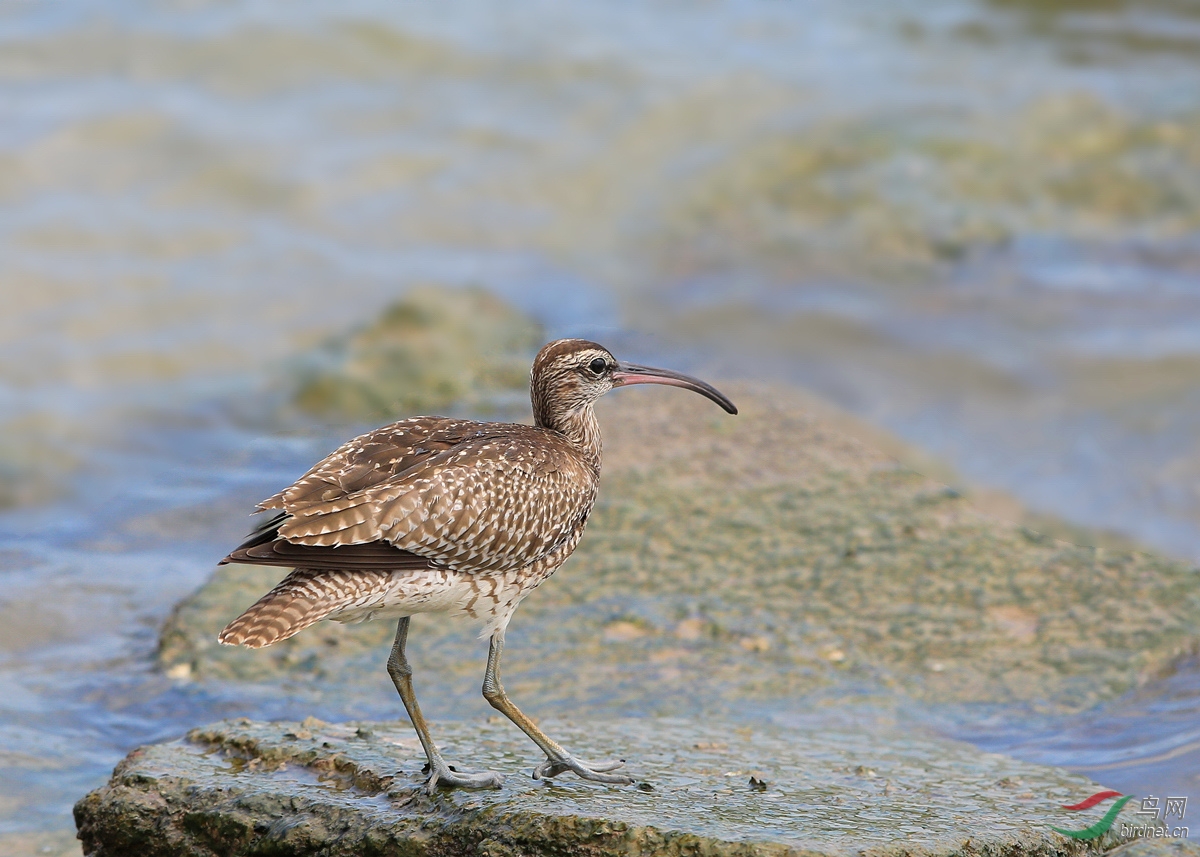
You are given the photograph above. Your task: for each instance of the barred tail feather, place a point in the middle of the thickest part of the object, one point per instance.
(301, 599)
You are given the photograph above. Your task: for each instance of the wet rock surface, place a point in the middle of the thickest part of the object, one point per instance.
(310, 787)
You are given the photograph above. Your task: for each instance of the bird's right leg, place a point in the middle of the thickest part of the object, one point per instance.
(558, 760)
(439, 771)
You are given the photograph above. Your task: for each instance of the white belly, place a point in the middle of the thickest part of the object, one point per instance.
(489, 597)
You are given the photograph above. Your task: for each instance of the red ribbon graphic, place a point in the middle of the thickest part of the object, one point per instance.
(1092, 801)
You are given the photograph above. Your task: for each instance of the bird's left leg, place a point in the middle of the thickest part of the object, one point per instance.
(558, 760)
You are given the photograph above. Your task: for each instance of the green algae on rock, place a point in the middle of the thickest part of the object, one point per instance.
(242, 788)
(435, 348)
(753, 561)
(893, 200)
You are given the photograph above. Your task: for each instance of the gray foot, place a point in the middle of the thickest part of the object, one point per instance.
(596, 771)
(442, 776)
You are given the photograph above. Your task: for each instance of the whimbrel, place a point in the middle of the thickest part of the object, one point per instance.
(438, 515)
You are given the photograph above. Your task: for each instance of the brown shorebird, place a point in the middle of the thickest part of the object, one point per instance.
(432, 514)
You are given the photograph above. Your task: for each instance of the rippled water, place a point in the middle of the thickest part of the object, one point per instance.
(976, 223)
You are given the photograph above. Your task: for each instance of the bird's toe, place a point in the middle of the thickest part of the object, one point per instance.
(444, 777)
(594, 771)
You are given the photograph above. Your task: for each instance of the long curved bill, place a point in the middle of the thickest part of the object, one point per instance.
(627, 374)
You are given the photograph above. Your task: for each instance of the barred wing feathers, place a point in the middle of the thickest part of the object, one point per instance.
(450, 493)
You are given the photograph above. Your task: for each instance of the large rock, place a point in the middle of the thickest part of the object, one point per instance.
(734, 567)
(434, 349)
(746, 561)
(243, 788)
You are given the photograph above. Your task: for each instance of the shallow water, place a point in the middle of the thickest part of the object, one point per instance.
(977, 224)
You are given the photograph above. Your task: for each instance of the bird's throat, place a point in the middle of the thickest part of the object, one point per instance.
(582, 429)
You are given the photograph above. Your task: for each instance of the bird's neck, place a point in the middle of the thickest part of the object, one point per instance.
(581, 428)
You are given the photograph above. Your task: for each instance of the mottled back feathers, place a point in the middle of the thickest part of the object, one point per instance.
(448, 493)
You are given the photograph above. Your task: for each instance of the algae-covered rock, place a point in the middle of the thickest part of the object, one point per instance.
(242, 788)
(435, 348)
(893, 199)
(745, 561)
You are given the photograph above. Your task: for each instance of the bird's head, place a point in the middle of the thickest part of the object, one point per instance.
(570, 374)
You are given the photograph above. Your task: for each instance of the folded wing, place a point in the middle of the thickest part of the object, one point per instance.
(428, 493)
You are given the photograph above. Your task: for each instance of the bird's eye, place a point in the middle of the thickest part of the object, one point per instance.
(598, 366)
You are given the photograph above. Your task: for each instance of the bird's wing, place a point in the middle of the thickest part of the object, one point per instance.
(264, 547)
(501, 497)
(371, 458)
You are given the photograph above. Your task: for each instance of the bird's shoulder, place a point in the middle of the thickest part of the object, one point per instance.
(510, 448)
(429, 448)
(372, 458)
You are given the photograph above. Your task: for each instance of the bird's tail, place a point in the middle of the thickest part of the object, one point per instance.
(301, 599)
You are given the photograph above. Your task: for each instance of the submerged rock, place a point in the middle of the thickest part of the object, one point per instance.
(434, 349)
(240, 788)
(895, 201)
(733, 563)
